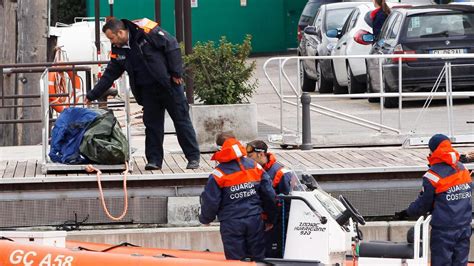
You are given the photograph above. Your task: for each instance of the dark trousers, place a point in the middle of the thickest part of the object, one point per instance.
(243, 238)
(275, 238)
(155, 102)
(450, 246)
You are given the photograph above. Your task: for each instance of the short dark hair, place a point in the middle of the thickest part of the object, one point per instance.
(114, 25)
(257, 146)
(223, 136)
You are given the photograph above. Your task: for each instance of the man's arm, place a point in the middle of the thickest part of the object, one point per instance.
(169, 45)
(268, 197)
(113, 71)
(424, 202)
(210, 201)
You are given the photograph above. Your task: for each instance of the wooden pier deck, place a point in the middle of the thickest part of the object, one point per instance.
(334, 161)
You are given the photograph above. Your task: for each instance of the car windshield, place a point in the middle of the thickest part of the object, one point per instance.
(440, 25)
(335, 18)
(309, 12)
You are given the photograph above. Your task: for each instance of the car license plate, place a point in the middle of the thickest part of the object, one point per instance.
(448, 51)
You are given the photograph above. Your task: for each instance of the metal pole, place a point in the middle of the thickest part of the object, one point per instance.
(188, 48)
(1, 86)
(298, 94)
(449, 99)
(158, 11)
(97, 25)
(111, 10)
(400, 94)
(382, 90)
(306, 102)
(281, 95)
(178, 17)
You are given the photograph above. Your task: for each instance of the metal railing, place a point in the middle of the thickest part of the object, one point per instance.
(296, 91)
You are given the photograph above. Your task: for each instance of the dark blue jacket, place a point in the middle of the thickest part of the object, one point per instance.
(67, 134)
(447, 190)
(158, 50)
(237, 188)
(378, 19)
(280, 176)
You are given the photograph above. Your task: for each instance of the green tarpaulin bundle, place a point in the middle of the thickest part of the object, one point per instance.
(104, 142)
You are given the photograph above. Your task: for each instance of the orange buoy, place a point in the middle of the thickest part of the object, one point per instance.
(57, 85)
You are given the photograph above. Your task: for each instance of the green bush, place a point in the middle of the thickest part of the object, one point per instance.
(221, 74)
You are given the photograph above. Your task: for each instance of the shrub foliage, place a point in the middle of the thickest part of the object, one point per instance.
(221, 73)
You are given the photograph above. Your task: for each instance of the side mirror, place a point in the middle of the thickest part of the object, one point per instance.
(311, 30)
(333, 33)
(369, 38)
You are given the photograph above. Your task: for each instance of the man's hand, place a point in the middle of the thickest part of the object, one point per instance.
(87, 101)
(178, 81)
(470, 155)
(268, 227)
(402, 215)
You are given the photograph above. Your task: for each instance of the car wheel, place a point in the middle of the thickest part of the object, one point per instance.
(307, 84)
(324, 84)
(337, 89)
(370, 89)
(389, 102)
(353, 86)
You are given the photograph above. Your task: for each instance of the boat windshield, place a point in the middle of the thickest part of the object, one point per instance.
(333, 206)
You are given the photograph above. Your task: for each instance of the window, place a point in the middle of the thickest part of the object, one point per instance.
(396, 27)
(440, 25)
(335, 18)
(387, 26)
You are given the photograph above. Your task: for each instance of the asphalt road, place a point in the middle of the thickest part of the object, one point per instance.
(327, 131)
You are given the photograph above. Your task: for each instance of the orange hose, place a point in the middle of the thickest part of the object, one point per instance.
(90, 169)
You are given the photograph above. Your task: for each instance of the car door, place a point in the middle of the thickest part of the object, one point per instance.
(382, 45)
(339, 64)
(312, 43)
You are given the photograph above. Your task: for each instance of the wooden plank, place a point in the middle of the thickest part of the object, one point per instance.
(165, 168)
(205, 160)
(351, 161)
(172, 164)
(309, 157)
(286, 159)
(38, 171)
(20, 169)
(30, 168)
(139, 162)
(323, 158)
(302, 160)
(376, 158)
(182, 162)
(3, 167)
(10, 170)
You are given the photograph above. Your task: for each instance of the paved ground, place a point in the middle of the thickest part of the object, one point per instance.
(328, 131)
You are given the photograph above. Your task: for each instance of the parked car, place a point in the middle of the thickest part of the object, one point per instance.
(309, 13)
(350, 74)
(316, 42)
(441, 29)
(410, 2)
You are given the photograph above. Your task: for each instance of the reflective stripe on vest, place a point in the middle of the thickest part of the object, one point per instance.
(443, 184)
(239, 177)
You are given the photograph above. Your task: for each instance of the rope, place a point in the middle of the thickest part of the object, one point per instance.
(90, 169)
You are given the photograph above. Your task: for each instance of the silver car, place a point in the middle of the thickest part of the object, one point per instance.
(316, 42)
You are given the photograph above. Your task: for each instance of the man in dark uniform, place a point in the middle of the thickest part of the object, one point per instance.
(237, 191)
(152, 59)
(281, 183)
(446, 194)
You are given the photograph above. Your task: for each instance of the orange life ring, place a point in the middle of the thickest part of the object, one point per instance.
(57, 84)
